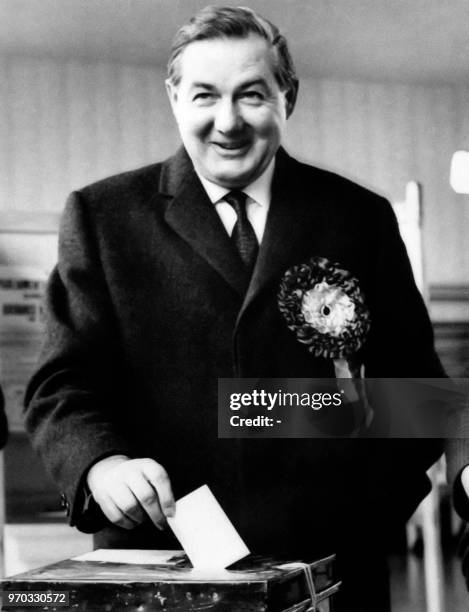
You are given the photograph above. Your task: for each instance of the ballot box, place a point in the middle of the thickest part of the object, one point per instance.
(157, 581)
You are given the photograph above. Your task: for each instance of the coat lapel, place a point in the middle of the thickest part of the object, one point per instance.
(194, 218)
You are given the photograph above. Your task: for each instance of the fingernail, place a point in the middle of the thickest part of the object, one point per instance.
(160, 526)
(170, 510)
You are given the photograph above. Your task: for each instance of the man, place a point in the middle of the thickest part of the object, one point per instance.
(168, 279)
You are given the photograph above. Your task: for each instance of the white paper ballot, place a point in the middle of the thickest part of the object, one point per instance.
(205, 532)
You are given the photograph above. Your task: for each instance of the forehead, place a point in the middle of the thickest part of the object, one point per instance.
(227, 60)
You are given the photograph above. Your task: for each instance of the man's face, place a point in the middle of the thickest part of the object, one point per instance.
(229, 108)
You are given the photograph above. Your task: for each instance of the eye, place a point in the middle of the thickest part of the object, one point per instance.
(253, 95)
(203, 96)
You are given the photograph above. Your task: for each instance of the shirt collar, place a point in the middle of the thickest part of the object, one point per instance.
(258, 190)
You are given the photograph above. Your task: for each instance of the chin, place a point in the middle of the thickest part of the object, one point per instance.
(230, 181)
(234, 177)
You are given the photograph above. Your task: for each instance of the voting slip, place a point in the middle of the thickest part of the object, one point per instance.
(205, 532)
(157, 581)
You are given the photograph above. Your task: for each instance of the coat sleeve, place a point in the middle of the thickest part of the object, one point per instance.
(71, 399)
(401, 331)
(404, 341)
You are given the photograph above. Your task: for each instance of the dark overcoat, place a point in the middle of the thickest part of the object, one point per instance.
(149, 305)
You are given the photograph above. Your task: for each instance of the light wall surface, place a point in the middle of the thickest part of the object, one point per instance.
(66, 123)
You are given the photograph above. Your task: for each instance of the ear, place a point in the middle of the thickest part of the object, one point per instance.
(290, 97)
(171, 90)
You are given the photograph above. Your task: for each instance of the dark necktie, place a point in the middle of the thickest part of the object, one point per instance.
(243, 234)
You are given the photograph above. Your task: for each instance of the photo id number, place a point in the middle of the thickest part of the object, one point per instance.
(34, 598)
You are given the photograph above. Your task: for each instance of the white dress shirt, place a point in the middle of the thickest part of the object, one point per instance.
(257, 202)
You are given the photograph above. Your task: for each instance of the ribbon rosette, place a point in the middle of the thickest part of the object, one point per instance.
(325, 307)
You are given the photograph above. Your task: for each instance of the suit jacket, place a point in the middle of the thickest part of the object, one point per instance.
(149, 305)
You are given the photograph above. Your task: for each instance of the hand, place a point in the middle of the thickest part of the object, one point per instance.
(465, 479)
(131, 490)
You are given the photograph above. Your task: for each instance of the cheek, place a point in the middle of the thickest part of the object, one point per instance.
(194, 124)
(267, 124)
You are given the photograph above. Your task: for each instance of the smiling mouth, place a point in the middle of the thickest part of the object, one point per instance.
(232, 147)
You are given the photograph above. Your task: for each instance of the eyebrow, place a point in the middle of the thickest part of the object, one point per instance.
(202, 86)
(253, 83)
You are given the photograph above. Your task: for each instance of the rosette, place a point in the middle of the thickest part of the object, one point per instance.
(324, 306)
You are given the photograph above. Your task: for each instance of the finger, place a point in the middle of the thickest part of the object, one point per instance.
(147, 497)
(114, 514)
(158, 477)
(127, 502)
(123, 499)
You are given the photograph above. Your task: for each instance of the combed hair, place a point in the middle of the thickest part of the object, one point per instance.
(233, 22)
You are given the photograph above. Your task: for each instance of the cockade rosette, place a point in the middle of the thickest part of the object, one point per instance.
(323, 304)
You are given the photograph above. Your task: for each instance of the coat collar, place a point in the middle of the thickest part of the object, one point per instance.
(290, 222)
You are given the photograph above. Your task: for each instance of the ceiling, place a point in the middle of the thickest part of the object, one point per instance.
(399, 40)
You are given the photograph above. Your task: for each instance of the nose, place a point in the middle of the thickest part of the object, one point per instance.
(228, 117)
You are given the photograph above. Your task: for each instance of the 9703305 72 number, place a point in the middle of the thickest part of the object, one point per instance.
(34, 599)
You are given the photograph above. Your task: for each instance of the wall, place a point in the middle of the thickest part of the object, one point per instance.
(64, 124)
